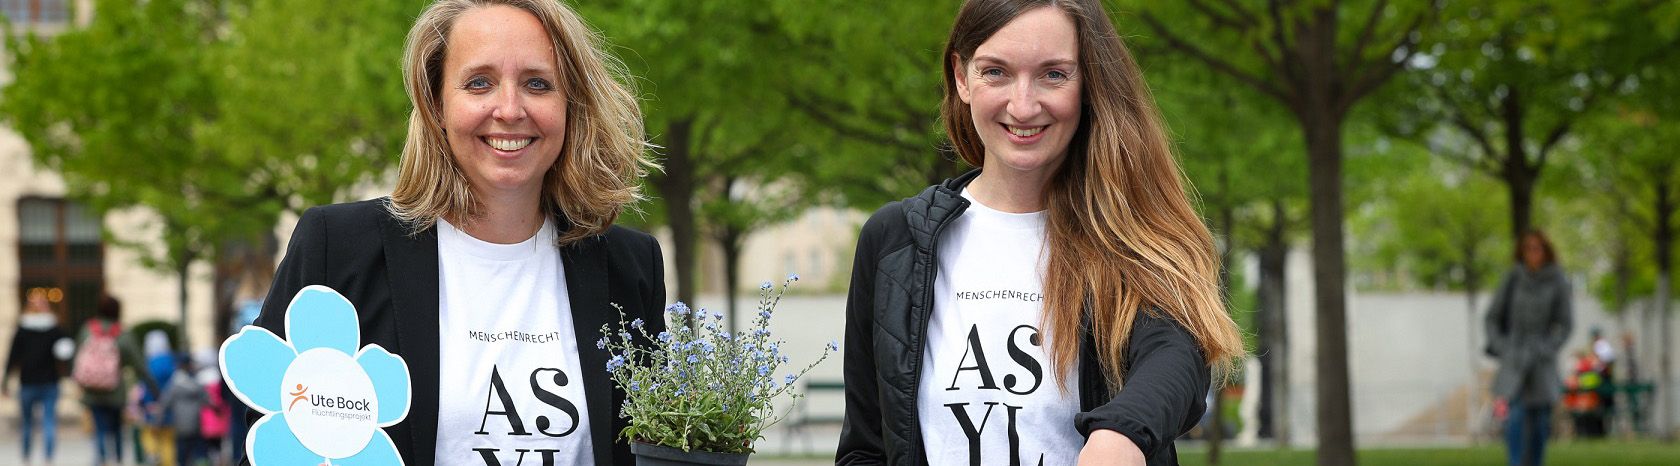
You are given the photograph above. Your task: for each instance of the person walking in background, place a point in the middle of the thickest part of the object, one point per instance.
(102, 357)
(1605, 351)
(157, 434)
(215, 417)
(1071, 255)
(1583, 396)
(1527, 323)
(1605, 355)
(38, 352)
(134, 422)
(179, 408)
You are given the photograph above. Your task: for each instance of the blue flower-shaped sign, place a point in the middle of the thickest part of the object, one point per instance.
(323, 399)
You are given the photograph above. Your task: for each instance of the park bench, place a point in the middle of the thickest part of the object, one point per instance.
(823, 403)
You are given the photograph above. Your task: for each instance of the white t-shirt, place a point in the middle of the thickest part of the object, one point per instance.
(987, 395)
(511, 389)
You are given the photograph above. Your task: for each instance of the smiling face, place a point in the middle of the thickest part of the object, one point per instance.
(504, 107)
(1022, 87)
(1533, 252)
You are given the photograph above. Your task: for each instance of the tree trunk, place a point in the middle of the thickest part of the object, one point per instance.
(731, 242)
(1323, 128)
(183, 274)
(676, 185)
(243, 270)
(226, 275)
(1273, 327)
(1320, 109)
(1472, 284)
(1310, 80)
(1321, 121)
(1665, 391)
(1472, 275)
(1519, 184)
(1519, 175)
(1216, 438)
(1664, 237)
(1621, 266)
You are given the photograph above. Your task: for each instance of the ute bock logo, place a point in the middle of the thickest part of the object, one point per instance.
(297, 396)
(331, 406)
(324, 401)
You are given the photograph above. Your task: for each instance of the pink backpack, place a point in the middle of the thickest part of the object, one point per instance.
(98, 365)
(213, 417)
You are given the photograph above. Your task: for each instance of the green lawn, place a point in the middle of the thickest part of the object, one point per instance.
(1557, 454)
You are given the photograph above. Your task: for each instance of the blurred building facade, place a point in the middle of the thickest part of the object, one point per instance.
(51, 243)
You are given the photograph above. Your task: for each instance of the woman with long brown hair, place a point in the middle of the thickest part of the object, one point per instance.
(1060, 303)
(1527, 323)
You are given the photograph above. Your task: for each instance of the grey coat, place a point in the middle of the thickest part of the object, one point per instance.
(182, 401)
(1527, 323)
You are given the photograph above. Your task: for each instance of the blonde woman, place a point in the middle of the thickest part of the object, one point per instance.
(1057, 305)
(492, 266)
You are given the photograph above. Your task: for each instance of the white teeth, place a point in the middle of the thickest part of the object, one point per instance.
(1024, 132)
(509, 144)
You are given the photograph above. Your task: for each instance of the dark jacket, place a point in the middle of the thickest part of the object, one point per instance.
(31, 356)
(887, 314)
(1527, 323)
(391, 276)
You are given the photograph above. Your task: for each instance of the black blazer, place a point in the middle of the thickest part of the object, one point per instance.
(369, 256)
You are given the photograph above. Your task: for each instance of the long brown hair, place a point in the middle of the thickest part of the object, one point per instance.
(604, 155)
(1123, 236)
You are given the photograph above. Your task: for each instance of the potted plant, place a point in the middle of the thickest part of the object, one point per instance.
(700, 394)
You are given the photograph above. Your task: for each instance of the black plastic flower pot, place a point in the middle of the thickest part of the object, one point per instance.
(660, 455)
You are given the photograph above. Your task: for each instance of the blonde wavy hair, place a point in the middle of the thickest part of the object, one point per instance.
(604, 154)
(1122, 235)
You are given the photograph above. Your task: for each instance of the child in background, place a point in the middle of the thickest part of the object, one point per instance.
(157, 437)
(1583, 397)
(180, 406)
(134, 416)
(214, 419)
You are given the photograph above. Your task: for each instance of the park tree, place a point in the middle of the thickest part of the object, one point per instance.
(311, 100)
(1524, 81)
(1317, 59)
(1436, 225)
(1240, 155)
(681, 54)
(311, 108)
(216, 116)
(1629, 159)
(707, 71)
(114, 108)
(1516, 79)
(1439, 226)
(748, 190)
(873, 102)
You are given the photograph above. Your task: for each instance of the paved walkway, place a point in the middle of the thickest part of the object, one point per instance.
(74, 446)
